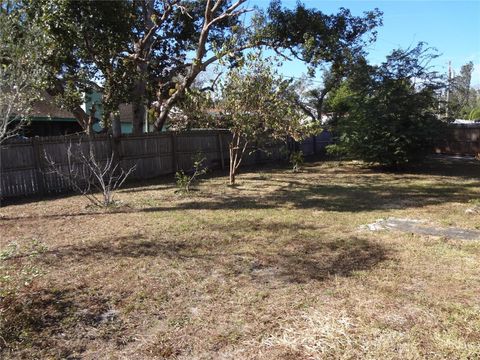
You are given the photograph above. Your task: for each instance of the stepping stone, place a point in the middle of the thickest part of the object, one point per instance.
(422, 228)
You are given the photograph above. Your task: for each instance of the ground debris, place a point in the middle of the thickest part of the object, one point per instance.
(421, 227)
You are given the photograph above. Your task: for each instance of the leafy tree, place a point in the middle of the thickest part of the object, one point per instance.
(86, 52)
(307, 34)
(256, 109)
(139, 52)
(464, 100)
(21, 74)
(462, 97)
(312, 99)
(387, 112)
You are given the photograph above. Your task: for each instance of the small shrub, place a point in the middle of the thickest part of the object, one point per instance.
(335, 151)
(185, 181)
(95, 178)
(263, 175)
(297, 161)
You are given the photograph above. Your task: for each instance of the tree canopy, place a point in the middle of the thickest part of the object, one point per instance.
(255, 106)
(21, 73)
(387, 113)
(149, 52)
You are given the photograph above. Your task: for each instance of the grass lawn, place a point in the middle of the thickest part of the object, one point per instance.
(274, 268)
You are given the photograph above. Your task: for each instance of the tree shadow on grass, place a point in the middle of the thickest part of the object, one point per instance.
(333, 197)
(444, 165)
(343, 197)
(321, 261)
(40, 320)
(305, 258)
(45, 319)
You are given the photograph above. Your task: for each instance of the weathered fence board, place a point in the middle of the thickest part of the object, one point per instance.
(461, 139)
(24, 165)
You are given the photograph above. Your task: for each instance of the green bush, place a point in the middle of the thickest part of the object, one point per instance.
(297, 161)
(474, 114)
(386, 117)
(185, 181)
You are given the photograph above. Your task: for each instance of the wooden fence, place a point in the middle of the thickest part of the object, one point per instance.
(461, 139)
(24, 169)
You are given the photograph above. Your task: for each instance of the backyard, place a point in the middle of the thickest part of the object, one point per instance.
(276, 267)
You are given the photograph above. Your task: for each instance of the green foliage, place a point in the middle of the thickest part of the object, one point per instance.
(256, 107)
(462, 96)
(21, 73)
(336, 150)
(316, 37)
(182, 181)
(137, 52)
(185, 181)
(297, 160)
(88, 47)
(255, 103)
(193, 111)
(387, 118)
(474, 114)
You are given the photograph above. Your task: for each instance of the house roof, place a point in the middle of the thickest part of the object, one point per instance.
(46, 109)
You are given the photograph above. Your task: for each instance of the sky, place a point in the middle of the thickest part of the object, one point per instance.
(452, 27)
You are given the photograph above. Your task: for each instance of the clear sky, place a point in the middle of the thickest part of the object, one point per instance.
(453, 27)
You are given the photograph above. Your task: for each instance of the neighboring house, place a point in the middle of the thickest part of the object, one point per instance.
(50, 120)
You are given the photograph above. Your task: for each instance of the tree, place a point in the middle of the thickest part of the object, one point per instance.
(311, 99)
(21, 74)
(138, 53)
(86, 52)
(387, 113)
(306, 34)
(462, 96)
(256, 109)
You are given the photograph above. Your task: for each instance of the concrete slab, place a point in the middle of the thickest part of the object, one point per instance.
(422, 228)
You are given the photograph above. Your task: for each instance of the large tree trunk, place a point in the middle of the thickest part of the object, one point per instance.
(81, 117)
(116, 125)
(138, 118)
(139, 98)
(142, 50)
(167, 105)
(91, 121)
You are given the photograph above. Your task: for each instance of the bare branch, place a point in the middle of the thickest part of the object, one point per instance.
(87, 171)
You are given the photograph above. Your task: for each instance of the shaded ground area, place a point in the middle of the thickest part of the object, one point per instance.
(274, 268)
(419, 227)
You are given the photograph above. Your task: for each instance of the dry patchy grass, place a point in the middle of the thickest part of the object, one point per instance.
(274, 268)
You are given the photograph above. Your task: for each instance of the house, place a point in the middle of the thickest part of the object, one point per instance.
(48, 119)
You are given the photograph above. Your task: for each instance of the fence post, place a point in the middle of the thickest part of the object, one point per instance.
(39, 175)
(220, 149)
(174, 152)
